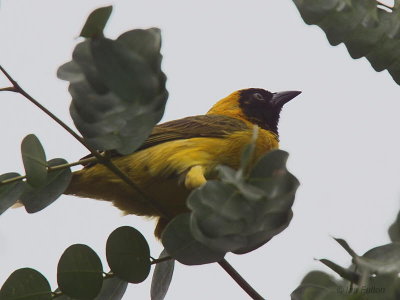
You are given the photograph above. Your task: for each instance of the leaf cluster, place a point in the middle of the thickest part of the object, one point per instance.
(80, 272)
(366, 29)
(237, 213)
(117, 86)
(373, 275)
(42, 186)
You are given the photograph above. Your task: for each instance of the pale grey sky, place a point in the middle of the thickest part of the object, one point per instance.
(341, 133)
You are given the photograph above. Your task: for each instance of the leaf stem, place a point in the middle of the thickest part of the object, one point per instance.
(240, 280)
(101, 159)
(160, 260)
(53, 168)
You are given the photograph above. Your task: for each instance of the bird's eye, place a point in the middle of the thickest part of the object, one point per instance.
(258, 96)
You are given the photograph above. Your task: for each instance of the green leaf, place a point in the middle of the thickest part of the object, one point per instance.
(238, 214)
(124, 72)
(146, 43)
(96, 22)
(366, 30)
(113, 289)
(271, 164)
(384, 286)
(128, 254)
(310, 292)
(70, 71)
(34, 160)
(344, 273)
(83, 58)
(26, 284)
(394, 230)
(346, 247)
(319, 278)
(118, 89)
(37, 198)
(10, 192)
(314, 285)
(382, 259)
(212, 196)
(273, 225)
(162, 277)
(79, 272)
(180, 243)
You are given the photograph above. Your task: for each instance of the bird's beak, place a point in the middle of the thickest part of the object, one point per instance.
(279, 99)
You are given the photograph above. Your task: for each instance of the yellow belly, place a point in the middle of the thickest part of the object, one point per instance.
(160, 171)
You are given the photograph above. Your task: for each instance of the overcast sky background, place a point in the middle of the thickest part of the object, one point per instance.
(342, 133)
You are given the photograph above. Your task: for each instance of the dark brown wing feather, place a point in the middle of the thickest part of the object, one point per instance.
(198, 126)
(216, 126)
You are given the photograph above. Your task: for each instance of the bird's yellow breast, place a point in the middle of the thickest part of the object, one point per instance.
(159, 170)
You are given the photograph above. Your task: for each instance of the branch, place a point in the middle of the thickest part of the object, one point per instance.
(8, 89)
(101, 159)
(160, 260)
(240, 280)
(111, 274)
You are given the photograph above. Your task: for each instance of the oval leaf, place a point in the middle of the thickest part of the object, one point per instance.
(79, 272)
(382, 259)
(394, 230)
(35, 199)
(128, 254)
(34, 160)
(96, 22)
(118, 89)
(162, 277)
(344, 273)
(10, 192)
(26, 284)
(70, 71)
(180, 243)
(124, 72)
(146, 43)
(313, 285)
(113, 289)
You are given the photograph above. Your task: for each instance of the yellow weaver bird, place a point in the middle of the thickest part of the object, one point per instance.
(181, 155)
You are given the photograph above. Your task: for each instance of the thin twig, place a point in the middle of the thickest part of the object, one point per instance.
(20, 90)
(240, 280)
(153, 262)
(160, 260)
(8, 89)
(101, 159)
(53, 168)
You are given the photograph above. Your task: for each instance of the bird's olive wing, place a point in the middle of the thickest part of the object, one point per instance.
(216, 126)
(192, 127)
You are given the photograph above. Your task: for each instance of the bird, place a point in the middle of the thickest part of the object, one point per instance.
(181, 155)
